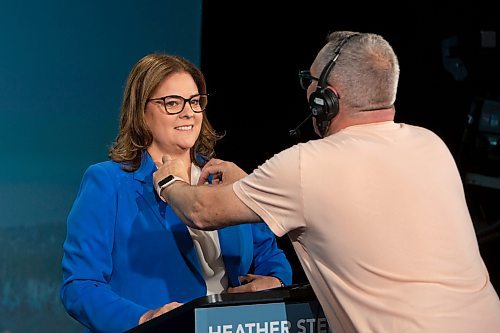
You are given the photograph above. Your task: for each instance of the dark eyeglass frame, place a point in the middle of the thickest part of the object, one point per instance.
(163, 99)
(305, 79)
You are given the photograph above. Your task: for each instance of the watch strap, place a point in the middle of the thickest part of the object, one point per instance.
(166, 182)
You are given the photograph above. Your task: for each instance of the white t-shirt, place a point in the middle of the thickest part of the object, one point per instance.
(378, 218)
(208, 250)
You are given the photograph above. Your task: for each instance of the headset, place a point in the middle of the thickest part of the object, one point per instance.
(324, 102)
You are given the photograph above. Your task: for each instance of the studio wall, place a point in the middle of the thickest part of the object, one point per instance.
(63, 67)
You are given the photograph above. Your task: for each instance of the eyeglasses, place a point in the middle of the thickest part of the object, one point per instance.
(305, 79)
(175, 104)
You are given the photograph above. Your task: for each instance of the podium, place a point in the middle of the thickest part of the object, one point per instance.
(293, 309)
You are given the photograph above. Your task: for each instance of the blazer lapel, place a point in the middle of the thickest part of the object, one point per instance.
(165, 215)
(184, 243)
(232, 249)
(145, 189)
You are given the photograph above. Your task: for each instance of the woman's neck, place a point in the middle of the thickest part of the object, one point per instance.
(156, 156)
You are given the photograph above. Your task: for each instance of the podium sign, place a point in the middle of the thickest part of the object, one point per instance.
(262, 318)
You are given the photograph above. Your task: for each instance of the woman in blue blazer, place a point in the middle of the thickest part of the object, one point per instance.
(127, 257)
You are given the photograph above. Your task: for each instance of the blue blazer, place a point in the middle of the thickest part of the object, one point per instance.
(126, 252)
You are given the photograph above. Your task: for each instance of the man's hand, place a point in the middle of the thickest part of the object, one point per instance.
(170, 167)
(204, 207)
(158, 312)
(221, 171)
(254, 283)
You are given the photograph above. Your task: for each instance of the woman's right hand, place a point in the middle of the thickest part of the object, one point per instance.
(158, 312)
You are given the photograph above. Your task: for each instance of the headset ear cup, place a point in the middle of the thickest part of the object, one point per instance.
(331, 104)
(324, 104)
(317, 105)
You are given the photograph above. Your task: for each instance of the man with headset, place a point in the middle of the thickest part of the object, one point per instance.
(375, 209)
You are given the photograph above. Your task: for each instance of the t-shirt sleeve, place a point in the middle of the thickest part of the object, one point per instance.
(273, 191)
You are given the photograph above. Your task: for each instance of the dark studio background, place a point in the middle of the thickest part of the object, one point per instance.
(251, 56)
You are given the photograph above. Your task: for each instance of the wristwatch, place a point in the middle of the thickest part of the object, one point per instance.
(165, 182)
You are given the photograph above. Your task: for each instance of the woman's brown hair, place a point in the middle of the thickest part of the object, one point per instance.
(134, 136)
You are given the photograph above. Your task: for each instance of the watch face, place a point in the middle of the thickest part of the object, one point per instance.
(165, 180)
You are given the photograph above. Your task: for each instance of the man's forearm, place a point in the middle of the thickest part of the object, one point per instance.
(207, 207)
(181, 197)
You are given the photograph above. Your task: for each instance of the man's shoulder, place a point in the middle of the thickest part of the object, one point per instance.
(290, 153)
(422, 131)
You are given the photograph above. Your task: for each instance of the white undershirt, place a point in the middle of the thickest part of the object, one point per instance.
(208, 250)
